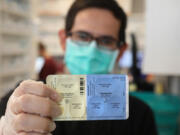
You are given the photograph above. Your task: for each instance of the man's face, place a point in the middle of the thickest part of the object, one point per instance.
(92, 24)
(97, 22)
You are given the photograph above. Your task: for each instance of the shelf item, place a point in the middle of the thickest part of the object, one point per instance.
(13, 53)
(17, 8)
(15, 31)
(14, 12)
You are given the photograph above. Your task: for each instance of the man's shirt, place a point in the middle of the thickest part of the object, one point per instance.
(140, 122)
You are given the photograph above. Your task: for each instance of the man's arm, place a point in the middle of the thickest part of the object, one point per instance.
(3, 103)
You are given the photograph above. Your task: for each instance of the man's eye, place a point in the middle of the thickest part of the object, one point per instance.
(83, 36)
(106, 41)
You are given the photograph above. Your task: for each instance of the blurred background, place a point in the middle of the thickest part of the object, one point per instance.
(29, 34)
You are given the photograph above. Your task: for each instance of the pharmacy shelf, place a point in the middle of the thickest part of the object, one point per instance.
(52, 17)
(20, 31)
(17, 39)
(12, 53)
(13, 72)
(11, 83)
(51, 13)
(49, 30)
(14, 12)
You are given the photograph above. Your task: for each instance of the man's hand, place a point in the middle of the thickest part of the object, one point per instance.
(30, 110)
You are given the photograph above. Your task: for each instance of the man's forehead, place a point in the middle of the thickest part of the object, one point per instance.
(97, 21)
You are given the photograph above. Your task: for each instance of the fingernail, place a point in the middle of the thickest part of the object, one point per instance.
(52, 126)
(56, 97)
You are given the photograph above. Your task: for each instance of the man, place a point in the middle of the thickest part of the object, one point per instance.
(92, 40)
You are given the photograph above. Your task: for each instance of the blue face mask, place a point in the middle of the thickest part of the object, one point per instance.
(88, 59)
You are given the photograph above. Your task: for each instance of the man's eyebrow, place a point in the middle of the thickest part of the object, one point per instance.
(101, 36)
(84, 32)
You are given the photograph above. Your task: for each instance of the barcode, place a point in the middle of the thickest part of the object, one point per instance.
(82, 84)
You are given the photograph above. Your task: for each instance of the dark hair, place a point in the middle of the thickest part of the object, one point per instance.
(41, 47)
(110, 5)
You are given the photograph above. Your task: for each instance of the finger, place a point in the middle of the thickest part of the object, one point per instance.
(32, 133)
(36, 88)
(32, 123)
(35, 105)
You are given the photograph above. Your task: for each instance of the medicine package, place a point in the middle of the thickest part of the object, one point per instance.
(91, 97)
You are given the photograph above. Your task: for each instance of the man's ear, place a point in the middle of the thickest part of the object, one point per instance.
(62, 37)
(122, 49)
